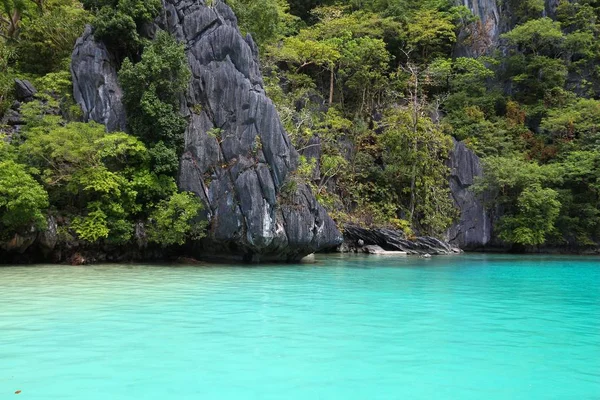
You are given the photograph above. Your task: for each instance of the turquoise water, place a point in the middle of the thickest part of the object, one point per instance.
(464, 327)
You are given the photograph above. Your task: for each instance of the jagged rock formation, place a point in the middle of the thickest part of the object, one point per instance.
(237, 157)
(393, 240)
(95, 85)
(474, 228)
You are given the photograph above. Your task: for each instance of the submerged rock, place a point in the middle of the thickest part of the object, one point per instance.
(473, 230)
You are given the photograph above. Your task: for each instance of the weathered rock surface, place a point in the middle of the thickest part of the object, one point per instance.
(20, 242)
(241, 172)
(474, 227)
(95, 84)
(486, 31)
(24, 90)
(48, 238)
(12, 121)
(379, 251)
(393, 240)
(237, 158)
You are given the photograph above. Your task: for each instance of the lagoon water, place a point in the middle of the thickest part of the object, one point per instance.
(463, 327)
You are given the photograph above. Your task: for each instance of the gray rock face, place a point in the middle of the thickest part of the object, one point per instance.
(393, 240)
(474, 228)
(24, 90)
(95, 85)
(238, 158)
(485, 32)
(48, 238)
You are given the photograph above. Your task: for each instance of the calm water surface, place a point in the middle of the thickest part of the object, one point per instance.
(464, 327)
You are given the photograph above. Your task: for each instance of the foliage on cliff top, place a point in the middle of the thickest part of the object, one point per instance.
(374, 85)
(531, 107)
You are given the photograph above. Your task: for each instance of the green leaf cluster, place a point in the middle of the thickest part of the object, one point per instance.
(118, 23)
(152, 89)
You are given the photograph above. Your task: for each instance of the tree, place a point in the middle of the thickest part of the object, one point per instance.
(23, 201)
(579, 220)
(430, 34)
(47, 37)
(523, 190)
(303, 53)
(538, 37)
(364, 65)
(176, 220)
(416, 150)
(151, 96)
(10, 18)
(538, 209)
(579, 120)
(118, 23)
(6, 78)
(261, 19)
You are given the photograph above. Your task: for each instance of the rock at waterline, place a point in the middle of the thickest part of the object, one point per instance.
(378, 251)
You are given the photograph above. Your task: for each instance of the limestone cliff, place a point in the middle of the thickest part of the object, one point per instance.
(237, 157)
(95, 86)
(473, 230)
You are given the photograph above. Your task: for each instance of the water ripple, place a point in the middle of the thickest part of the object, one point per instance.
(467, 327)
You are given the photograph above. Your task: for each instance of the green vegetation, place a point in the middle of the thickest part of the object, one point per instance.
(151, 89)
(22, 199)
(375, 84)
(98, 186)
(101, 183)
(118, 23)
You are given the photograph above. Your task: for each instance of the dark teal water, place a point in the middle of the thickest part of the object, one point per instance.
(464, 327)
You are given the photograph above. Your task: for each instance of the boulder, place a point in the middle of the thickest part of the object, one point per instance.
(391, 240)
(48, 238)
(373, 249)
(95, 83)
(13, 118)
(24, 90)
(379, 251)
(473, 230)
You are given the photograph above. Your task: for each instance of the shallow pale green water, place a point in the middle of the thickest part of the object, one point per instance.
(465, 327)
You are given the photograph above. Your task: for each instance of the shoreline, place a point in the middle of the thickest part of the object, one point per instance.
(182, 259)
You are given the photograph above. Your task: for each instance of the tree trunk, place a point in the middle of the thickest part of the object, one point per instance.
(331, 86)
(415, 128)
